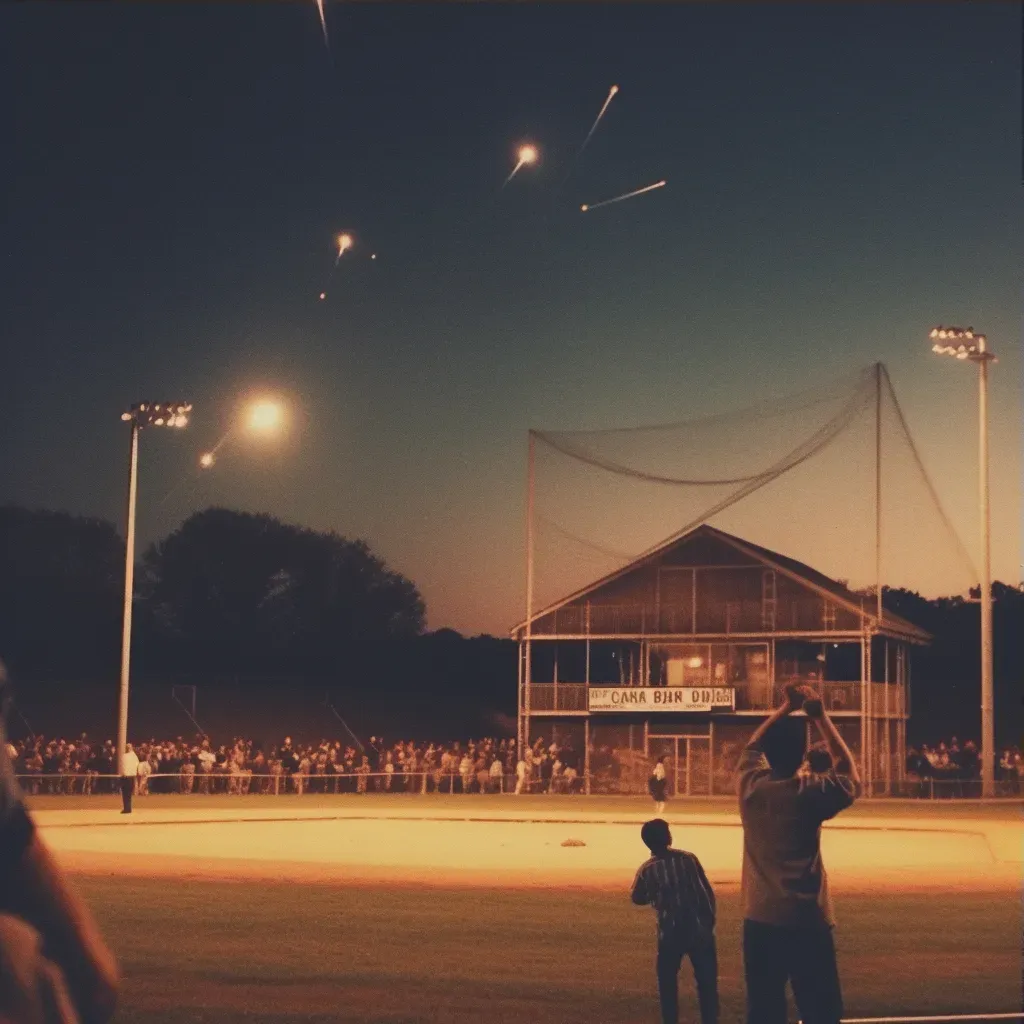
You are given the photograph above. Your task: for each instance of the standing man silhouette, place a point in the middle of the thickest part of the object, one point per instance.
(788, 919)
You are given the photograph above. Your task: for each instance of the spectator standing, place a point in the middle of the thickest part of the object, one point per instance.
(466, 772)
(144, 773)
(129, 778)
(656, 785)
(788, 919)
(674, 883)
(497, 774)
(522, 774)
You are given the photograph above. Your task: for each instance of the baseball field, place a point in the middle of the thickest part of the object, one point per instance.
(415, 909)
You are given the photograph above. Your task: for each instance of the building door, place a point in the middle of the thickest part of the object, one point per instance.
(687, 763)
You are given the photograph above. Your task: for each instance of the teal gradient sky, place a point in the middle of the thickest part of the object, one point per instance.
(840, 179)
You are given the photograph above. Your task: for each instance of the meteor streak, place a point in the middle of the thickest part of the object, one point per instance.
(323, 22)
(628, 195)
(345, 243)
(527, 155)
(597, 120)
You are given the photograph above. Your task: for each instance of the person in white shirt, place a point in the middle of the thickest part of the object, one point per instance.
(145, 770)
(129, 775)
(466, 772)
(522, 772)
(497, 776)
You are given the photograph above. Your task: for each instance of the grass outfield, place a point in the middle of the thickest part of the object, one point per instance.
(281, 952)
(570, 806)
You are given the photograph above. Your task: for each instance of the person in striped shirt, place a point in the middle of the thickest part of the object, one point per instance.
(674, 883)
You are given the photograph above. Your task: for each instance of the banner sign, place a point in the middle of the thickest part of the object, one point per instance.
(660, 698)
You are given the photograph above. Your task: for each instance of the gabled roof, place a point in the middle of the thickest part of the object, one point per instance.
(892, 625)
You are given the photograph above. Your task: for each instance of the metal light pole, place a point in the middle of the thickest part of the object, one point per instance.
(964, 343)
(145, 414)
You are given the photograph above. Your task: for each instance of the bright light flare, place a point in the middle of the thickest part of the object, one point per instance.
(528, 154)
(344, 242)
(207, 459)
(628, 195)
(265, 417)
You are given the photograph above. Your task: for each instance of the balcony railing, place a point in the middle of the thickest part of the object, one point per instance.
(838, 697)
(712, 617)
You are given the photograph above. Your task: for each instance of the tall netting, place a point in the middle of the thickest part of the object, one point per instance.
(810, 475)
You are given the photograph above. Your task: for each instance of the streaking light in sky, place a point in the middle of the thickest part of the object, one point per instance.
(323, 22)
(628, 195)
(344, 242)
(597, 120)
(527, 155)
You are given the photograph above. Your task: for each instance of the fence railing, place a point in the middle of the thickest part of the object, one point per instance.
(613, 779)
(279, 784)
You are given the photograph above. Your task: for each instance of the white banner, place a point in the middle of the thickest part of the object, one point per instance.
(660, 698)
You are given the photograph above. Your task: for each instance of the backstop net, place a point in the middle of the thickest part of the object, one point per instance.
(830, 476)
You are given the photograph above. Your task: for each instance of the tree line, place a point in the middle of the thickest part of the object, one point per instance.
(235, 595)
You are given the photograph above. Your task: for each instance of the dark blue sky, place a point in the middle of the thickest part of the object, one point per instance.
(840, 178)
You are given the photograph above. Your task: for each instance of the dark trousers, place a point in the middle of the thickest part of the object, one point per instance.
(127, 788)
(704, 960)
(803, 957)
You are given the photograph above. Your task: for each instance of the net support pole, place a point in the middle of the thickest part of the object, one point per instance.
(528, 643)
(878, 493)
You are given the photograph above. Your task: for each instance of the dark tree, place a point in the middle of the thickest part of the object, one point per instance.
(241, 593)
(61, 580)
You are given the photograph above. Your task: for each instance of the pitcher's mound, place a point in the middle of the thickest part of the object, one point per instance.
(574, 842)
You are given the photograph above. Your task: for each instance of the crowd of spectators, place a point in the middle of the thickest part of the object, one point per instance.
(245, 766)
(946, 761)
(491, 765)
(953, 763)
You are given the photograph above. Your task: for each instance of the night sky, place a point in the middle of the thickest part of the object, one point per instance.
(839, 180)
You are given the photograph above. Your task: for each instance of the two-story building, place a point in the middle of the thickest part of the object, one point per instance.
(682, 652)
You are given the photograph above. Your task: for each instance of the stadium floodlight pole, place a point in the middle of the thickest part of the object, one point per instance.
(528, 667)
(143, 414)
(965, 343)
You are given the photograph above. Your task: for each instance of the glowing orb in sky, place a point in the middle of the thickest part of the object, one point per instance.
(265, 416)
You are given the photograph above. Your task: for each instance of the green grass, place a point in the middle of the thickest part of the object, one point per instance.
(283, 952)
(574, 806)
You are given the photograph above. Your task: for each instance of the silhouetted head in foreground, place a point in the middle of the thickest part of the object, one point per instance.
(656, 835)
(784, 745)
